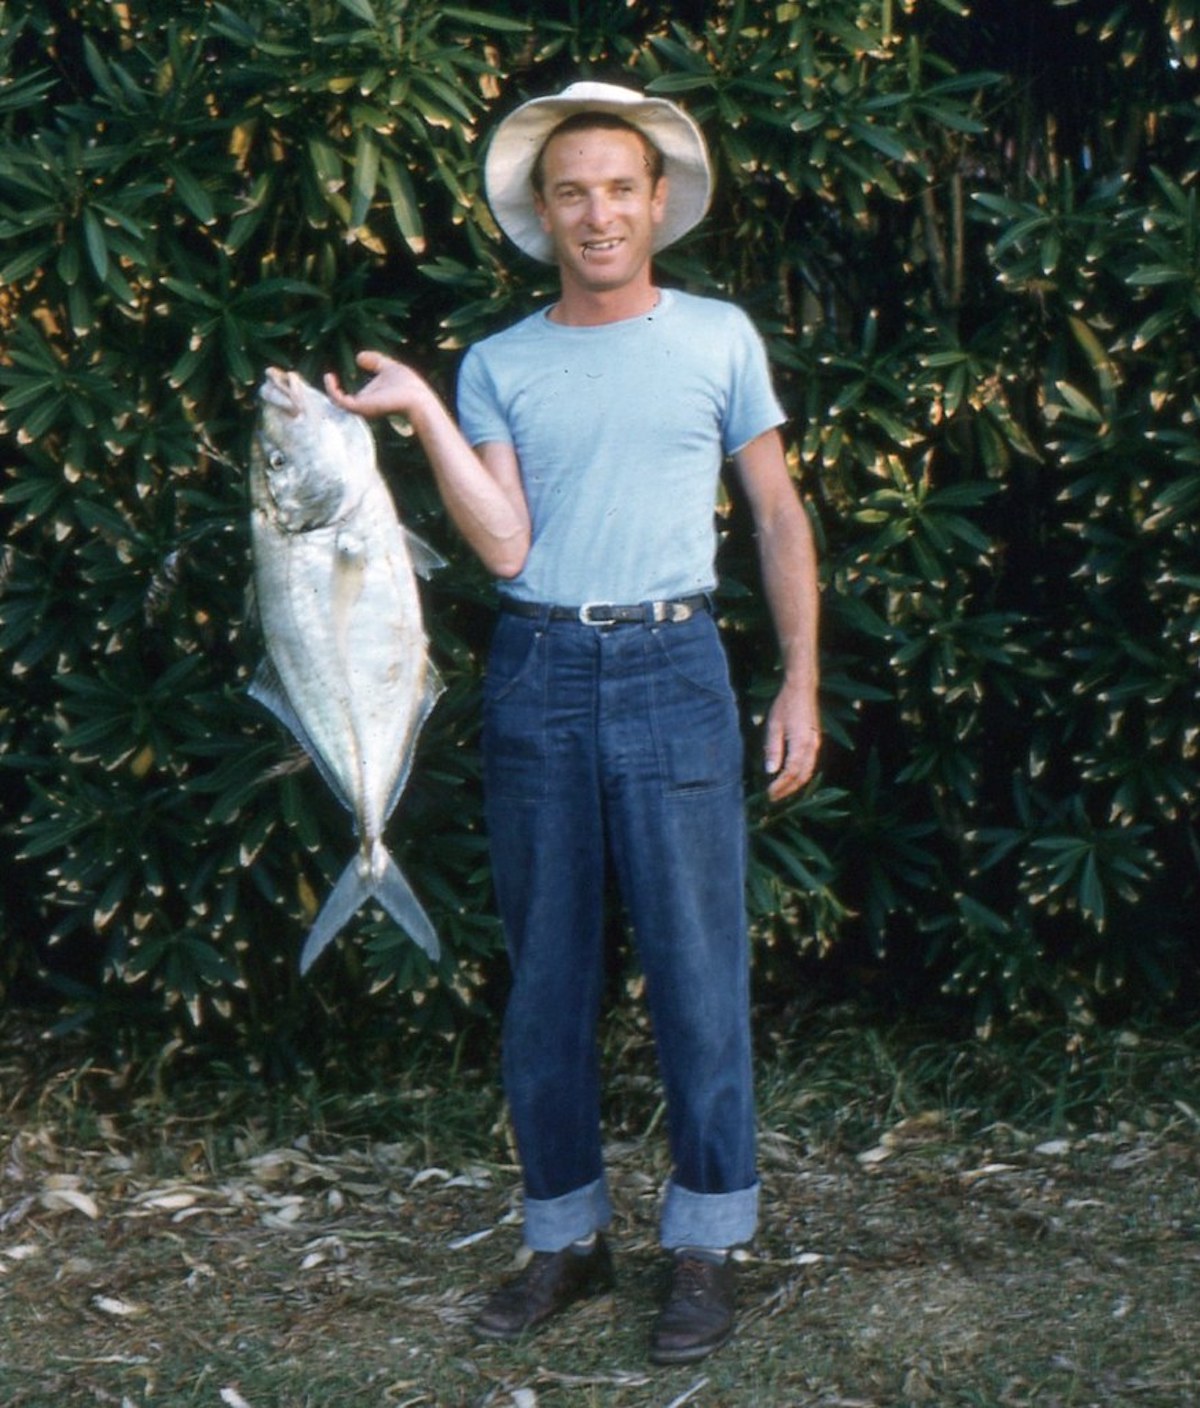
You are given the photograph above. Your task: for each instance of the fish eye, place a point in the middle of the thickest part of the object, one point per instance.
(277, 459)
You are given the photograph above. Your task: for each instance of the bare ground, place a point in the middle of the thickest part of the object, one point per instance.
(197, 1260)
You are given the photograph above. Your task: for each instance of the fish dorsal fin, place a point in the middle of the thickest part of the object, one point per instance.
(425, 560)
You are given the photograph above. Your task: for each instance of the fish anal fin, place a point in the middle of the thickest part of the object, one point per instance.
(433, 691)
(435, 687)
(267, 689)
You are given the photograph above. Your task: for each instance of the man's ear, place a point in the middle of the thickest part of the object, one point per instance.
(658, 200)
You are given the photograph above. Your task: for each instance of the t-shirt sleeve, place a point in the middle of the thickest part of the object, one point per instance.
(480, 415)
(753, 406)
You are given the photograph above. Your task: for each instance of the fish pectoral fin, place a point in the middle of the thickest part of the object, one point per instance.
(355, 886)
(425, 560)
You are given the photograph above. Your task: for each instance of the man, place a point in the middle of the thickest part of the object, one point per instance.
(585, 478)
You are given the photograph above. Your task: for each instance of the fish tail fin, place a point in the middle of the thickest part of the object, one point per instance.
(393, 891)
(384, 881)
(351, 890)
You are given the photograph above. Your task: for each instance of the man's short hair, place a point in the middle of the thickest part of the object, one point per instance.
(592, 122)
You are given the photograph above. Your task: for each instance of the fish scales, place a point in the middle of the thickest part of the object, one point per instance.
(347, 666)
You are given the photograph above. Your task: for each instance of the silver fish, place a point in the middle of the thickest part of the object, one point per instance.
(347, 668)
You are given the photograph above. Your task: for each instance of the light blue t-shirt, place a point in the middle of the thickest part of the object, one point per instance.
(620, 431)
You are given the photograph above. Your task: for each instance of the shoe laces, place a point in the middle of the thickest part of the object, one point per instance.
(692, 1278)
(536, 1270)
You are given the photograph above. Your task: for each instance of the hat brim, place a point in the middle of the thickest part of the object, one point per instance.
(519, 138)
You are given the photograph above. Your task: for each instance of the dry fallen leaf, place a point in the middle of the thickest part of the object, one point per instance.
(17, 1213)
(917, 1129)
(689, 1394)
(425, 1174)
(111, 1305)
(986, 1171)
(284, 1212)
(167, 1200)
(1184, 1108)
(868, 1157)
(64, 1199)
(1054, 1148)
(21, 1253)
(470, 1239)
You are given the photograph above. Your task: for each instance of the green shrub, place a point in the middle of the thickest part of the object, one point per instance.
(979, 282)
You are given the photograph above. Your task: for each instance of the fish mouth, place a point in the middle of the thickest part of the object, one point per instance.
(282, 389)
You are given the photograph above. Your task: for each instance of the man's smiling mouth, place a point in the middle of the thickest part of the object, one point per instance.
(600, 246)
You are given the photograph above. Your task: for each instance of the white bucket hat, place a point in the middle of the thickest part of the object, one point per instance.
(519, 138)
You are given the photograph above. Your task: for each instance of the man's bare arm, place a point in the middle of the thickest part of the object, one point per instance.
(789, 568)
(481, 489)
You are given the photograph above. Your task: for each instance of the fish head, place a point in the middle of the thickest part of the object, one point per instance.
(309, 460)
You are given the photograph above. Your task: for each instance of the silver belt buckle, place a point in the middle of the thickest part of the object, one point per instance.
(672, 611)
(585, 612)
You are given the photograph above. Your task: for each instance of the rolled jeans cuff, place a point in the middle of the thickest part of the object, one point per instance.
(709, 1220)
(554, 1223)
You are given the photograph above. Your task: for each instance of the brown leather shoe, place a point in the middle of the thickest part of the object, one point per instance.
(698, 1315)
(549, 1282)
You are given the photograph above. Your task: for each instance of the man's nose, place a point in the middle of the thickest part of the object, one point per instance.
(599, 209)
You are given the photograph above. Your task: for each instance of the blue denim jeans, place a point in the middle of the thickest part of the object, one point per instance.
(622, 743)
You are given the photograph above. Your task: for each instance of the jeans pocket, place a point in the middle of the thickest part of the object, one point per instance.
(694, 654)
(514, 659)
(514, 728)
(697, 730)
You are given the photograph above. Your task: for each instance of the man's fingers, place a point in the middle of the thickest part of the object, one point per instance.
(791, 767)
(773, 746)
(367, 400)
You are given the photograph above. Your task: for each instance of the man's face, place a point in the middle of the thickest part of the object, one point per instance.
(600, 207)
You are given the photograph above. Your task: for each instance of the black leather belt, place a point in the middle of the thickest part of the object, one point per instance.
(602, 613)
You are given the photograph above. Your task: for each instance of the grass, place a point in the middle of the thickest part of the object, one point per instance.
(1007, 1223)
